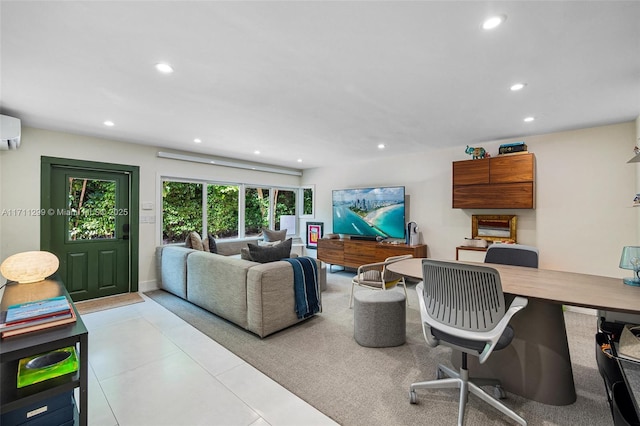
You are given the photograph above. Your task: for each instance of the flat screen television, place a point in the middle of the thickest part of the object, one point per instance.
(372, 212)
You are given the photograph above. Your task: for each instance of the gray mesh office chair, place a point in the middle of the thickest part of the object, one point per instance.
(463, 307)
(512, 254)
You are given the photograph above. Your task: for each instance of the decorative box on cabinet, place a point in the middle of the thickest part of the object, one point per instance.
(502, 182)
(353, 253)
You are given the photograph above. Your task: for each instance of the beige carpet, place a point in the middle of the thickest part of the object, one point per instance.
(95, 305)
(319, 361)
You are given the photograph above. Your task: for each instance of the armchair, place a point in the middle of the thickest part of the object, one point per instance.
(376, 276)
(463, 307)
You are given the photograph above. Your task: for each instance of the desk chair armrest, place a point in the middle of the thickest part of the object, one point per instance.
(371, 272)
(380, 268)
(377, 265)
(369, 266)
(517, 304)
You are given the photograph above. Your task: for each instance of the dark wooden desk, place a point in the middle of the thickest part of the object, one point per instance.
(12, 349)
(537, 364)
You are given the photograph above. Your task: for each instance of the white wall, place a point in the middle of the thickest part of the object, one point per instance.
(2, 279)
(20, 185)
(584, 193)
(582, 219)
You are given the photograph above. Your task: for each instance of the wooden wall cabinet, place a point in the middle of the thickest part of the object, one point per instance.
(353, 253)
(503, 182)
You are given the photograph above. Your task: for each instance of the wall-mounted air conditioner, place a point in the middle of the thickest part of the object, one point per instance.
(9, 132)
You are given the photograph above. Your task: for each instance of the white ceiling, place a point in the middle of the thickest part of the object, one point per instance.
(321, 81)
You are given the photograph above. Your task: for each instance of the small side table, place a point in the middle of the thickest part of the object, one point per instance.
(379, 318)
(12, 349)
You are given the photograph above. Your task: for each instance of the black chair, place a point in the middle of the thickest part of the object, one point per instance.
(608, 367)
(624, 412)
(512, 254)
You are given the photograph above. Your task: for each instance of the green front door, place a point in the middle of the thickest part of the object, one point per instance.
(89, 230)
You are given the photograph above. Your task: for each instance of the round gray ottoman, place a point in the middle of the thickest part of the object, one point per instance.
(379, 318)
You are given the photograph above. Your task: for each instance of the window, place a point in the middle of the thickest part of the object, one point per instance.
(91, 208)
(256, 211)
(222, 210)
(285, 210)
(181, 210)
(226, 210)
(307, 205)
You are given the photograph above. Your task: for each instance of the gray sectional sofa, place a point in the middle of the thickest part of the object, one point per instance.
(256, 296)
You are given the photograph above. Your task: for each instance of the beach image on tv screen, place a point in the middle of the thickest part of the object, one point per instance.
(369, 211)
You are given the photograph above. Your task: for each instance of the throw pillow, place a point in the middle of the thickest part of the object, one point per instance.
(244, 253)
(273, 235)
(194, 241)
(213, 247)
(270, 254)
(268, 243)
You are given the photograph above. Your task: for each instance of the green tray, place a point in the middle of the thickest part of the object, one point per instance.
(38, 368)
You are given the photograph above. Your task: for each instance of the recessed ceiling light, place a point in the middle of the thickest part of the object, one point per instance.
(493, 22)
(164, 68)
(381, 146)
(299, 160)
(197, 140)
(529, 119)
(109, 123)
(518, 86)
(256, 152)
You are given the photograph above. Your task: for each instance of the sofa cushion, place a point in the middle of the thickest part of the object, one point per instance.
(262, 243)
(270, 254)
(173, 269)
(273, 235)
(219, 284)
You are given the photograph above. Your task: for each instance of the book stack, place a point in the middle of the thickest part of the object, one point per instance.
(513, 147)
(37, 315)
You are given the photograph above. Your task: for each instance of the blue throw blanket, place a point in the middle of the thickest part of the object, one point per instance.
(305, 286)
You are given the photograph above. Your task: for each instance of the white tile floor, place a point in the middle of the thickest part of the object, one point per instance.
(149, 367)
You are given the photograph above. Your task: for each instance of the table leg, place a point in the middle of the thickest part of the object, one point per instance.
(537, 364)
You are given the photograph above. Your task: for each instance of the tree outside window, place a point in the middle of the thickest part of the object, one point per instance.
(285, 205)
(181, 210)
(307, 202)
(222, 210)
(256, 211)
(91, 207)
(264, 207)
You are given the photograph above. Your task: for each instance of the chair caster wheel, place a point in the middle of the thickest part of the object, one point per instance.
(413, 398)
(499, 393)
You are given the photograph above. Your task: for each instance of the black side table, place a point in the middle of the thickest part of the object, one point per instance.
(14, 348)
